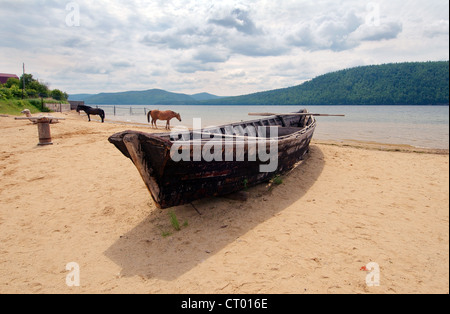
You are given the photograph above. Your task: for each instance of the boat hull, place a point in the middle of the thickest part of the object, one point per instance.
(236, 166)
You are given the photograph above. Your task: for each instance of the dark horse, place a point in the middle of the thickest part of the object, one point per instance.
(162, 115)
(90, 110)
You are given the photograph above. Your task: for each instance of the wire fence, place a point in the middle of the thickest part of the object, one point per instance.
(123, 110)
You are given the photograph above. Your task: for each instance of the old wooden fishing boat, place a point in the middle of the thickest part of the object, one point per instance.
(179, 168)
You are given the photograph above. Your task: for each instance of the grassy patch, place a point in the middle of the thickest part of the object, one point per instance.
(246, 184)
(15, 106)
(276, 180)
(175, 224)
(166, 234)
(174, 221)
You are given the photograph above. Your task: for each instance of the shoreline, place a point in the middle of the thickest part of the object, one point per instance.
(383, 146)
(80, 200)
(346, 143)
(371, 145)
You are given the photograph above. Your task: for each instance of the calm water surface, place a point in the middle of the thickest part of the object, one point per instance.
(420, 126)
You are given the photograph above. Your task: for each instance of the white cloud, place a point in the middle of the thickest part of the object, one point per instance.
(331, 31)
(228, 47)
(341, 32)
(438, 28)
(383, 31)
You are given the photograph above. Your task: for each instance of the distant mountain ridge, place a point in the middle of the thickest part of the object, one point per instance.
(205, 96)
(410, 83)
(147, 97)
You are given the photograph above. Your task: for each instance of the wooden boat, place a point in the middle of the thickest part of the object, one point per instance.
(238, 149)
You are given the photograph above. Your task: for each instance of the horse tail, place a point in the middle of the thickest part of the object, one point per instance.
(148, 116)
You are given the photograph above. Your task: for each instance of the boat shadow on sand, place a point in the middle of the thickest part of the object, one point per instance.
(148, 251)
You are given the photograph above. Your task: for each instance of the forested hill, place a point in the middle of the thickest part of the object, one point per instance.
(418, 83)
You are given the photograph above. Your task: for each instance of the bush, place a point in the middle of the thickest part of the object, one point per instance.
(32, 93)
(17, 92)
(11, 82)
(5, 93)
(36, 103)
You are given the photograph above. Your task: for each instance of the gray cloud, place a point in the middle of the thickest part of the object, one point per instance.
(75, 42)
(258, 46)
(238, 19)
(91, 69)
(235, 74)
(193, 66)
(180, 38)
(170, 41)
(211, 55)
(122, 64)
(383, 31)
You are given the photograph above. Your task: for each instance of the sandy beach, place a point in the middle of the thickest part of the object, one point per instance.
(80, 200)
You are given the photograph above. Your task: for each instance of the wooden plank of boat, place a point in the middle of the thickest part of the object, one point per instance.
(267, 114)
(131, 141)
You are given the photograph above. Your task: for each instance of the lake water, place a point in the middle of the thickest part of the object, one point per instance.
(419, 126)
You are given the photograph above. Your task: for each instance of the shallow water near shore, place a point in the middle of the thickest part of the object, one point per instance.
(418, 126)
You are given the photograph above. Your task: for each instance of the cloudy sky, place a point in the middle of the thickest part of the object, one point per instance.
(222, 47)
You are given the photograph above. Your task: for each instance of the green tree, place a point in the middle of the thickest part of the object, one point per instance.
(58, 95)
(40, 88)
(28, 78)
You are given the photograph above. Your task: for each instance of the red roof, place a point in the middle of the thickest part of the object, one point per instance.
(4, 77)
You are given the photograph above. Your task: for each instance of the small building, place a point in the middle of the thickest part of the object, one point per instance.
(4, 77)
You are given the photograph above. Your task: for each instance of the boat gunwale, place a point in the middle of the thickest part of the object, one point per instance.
(161, 136)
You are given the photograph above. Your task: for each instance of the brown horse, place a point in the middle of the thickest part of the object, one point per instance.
(162, 115)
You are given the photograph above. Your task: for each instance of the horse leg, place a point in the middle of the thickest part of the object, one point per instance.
(89, 117)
